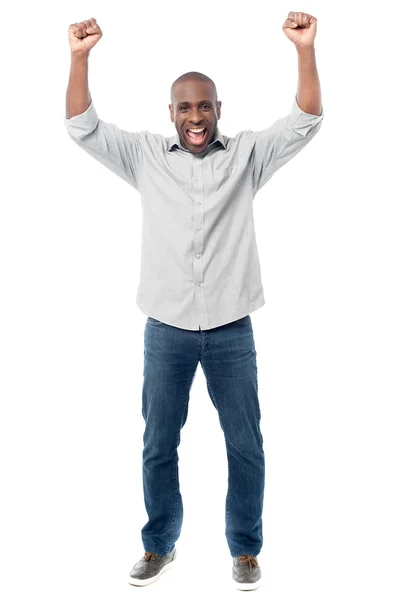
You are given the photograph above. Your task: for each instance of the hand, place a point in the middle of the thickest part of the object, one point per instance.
(83, 36)
(300, 28)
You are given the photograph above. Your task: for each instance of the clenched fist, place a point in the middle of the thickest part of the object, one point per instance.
(83, 36)
(300, 28)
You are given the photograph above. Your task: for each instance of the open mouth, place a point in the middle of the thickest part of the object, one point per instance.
(197, 138)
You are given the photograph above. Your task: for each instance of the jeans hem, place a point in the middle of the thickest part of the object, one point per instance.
(159, 552)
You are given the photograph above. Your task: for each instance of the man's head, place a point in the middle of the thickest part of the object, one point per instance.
(194, 105)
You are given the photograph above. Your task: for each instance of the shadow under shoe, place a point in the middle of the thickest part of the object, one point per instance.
(150, 568)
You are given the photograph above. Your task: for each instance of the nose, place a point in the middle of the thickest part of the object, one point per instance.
(195, 118)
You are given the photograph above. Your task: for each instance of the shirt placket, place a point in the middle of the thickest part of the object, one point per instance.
(198, 246)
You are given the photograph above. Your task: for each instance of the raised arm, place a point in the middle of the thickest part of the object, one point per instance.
(300, 28)
(78, 96)
(82, 37)
(274, 146)
(118, 150)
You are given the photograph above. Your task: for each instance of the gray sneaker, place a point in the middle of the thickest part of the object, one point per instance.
(150, 568)
(246, 572)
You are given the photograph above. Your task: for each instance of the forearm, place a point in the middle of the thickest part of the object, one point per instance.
(78, 96)
(309, 92)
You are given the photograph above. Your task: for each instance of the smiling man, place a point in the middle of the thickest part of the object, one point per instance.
(195, 110)
(199, 281)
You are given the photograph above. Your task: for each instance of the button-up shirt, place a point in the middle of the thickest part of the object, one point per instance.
(199, 259)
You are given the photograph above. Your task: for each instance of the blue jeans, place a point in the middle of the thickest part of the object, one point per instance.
(228, 359)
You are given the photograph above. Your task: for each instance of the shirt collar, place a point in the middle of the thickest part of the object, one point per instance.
(175, 141)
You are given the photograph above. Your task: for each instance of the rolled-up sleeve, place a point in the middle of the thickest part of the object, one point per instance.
(276, 145)
(118, 150)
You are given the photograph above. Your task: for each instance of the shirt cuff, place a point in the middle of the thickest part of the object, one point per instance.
(81, 125)
(301, 121)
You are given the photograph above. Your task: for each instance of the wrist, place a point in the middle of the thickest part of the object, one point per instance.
(79, 56)
(305, 48)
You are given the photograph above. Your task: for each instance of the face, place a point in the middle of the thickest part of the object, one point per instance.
(195, 107)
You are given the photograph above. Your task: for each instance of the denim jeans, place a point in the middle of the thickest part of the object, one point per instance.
(228, 359)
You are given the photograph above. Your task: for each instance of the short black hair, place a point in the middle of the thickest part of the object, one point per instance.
(189, 76)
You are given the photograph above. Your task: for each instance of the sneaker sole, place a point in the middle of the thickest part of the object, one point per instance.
(247, 586)
(149, 580)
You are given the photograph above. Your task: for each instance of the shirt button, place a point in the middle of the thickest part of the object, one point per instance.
(199, 283)
(198, 178)
(198, 228)
(198, 255)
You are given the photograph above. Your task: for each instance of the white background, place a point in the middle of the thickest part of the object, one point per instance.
(71, 337)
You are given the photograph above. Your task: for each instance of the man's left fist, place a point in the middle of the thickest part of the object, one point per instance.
(300, 28)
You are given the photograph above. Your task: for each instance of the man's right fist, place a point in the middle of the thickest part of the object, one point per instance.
(83, 36)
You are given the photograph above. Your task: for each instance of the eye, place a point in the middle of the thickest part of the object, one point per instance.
(204, 105)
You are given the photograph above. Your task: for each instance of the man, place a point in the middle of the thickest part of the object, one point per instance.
(200, 279)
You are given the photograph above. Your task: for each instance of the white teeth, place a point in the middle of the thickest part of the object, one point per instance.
(197, 130)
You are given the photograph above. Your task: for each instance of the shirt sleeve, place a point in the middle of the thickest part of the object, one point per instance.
(276, 145)
(118, 150)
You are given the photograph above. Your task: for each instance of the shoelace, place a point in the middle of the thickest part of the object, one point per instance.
(149, 556)
(251, 560)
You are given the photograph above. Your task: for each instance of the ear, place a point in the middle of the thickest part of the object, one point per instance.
(171, 112)
(218, 108)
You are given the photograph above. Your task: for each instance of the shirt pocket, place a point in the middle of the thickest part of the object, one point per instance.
(223, 175)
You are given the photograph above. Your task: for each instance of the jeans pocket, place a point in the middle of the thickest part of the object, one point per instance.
(243, 321)
(155, 322)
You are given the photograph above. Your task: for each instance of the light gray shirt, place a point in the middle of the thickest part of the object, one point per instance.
(199, 259)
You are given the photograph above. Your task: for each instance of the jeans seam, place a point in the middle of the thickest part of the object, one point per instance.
(175, 474)
(173, 526)
(227, 452)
